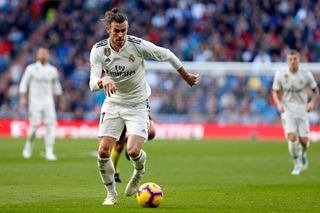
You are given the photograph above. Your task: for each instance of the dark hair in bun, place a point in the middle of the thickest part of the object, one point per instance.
(114, 15)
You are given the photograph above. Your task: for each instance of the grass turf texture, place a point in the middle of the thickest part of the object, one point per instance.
(196, 176)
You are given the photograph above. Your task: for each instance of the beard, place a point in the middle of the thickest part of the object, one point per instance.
(119, 42)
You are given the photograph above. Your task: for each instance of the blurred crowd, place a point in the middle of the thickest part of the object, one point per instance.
(200, 30)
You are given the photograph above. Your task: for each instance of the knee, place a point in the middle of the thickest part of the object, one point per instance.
(304, 140)
(102, 153)
(292, 137)
(104, 150)
(133, 153)
(49, 129)
(33, 127)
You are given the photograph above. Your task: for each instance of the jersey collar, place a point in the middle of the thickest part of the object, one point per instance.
(41, 65)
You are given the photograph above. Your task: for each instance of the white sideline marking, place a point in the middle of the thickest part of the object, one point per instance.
(59, 155)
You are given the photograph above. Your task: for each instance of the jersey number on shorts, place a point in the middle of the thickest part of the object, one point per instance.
(102, 117)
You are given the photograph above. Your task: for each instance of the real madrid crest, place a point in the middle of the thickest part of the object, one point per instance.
(107, 51)
(131, 58)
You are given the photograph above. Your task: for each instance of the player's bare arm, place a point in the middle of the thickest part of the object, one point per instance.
(191, 79)
(276, 99)
(312, 103)
(23, 100)
(59, 100)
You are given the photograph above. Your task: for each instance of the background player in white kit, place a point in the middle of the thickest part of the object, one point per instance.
(120, 59)
(294, 107)
(41, 81)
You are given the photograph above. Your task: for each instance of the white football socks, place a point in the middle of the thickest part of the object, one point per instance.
(139, 162)
(293, 147)
(303, 148)
(106, 170)
(49, 138)
(31, 134)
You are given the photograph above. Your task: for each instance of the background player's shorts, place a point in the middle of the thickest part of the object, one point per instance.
(114, 116)
(45, 114)
(298, 125)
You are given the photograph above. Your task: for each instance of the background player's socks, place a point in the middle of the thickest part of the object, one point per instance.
(293, 147)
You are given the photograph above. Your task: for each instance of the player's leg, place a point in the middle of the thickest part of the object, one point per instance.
(303, 146)
(49, 140)
(110, 128)
(49, 118)
(34, 122)
(293, 147)
(303, 128)
(290, 129)
(151, 130)
(137, 122)
(117, 149)
(27, 150)
(138, 158)
(151, 133)
(106, 168)
(116, 152)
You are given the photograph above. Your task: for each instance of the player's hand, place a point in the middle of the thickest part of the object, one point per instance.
(191, 79)
(23, 104)
(108, 85)
(280, 108)
(310, 107)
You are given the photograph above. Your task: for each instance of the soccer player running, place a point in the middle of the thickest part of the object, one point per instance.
(41, 81)
(294, 106)
(120, 59)
(118, 148)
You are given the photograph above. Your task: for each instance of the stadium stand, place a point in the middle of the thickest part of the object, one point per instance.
(203, 30)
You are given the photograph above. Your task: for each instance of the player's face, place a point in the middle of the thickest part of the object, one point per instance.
(293, 61)
(43, 55)
(117, 33)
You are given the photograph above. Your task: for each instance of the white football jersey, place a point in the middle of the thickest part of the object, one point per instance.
(293, 86)
(41, 82)
(127, 67)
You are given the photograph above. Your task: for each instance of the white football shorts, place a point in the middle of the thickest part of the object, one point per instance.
(45, 114)
(298, 125)
(114, 116)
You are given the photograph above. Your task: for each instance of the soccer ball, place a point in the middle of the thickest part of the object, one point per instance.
(149, 195)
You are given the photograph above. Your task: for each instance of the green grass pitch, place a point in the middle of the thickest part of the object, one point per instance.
(196, 176)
